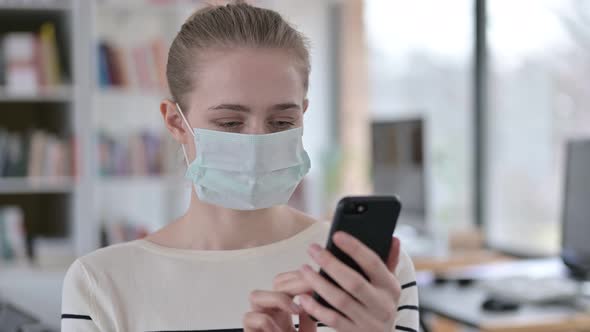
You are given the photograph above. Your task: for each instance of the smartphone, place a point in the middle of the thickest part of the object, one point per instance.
(370, 219)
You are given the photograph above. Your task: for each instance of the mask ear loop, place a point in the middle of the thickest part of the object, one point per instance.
(188, 126)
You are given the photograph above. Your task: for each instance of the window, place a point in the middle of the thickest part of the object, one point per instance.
(538, 98)
(420, 68)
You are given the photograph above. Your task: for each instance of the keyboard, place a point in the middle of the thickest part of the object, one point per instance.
(533, 290)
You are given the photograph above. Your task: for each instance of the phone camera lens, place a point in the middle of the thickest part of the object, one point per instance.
(361, 208)
(354, 208)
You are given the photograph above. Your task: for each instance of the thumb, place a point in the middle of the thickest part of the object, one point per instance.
(393, 259)
(306, 324)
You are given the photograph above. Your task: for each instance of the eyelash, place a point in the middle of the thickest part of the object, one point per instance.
(229, 124)
(283, 124)
(235, 124)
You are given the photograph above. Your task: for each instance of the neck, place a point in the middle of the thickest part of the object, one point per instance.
(209, 227)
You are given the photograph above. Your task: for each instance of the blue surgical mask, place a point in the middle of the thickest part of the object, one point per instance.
(246, 172)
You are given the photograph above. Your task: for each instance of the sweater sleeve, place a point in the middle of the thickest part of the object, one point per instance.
(408, 315)
(77, 301)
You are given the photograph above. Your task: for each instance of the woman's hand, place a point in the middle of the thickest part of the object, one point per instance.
(271, 312)
(366, 305)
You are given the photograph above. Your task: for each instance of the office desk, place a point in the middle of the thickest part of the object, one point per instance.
(36, 290)
(458, 261)
(462, 304)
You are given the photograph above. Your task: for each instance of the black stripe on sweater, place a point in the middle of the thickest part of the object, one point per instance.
(72, 316)
(409, 284)
(408, 307)
(223, 330)
(403, 328)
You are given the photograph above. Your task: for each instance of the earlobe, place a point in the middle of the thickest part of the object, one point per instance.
(173, 121)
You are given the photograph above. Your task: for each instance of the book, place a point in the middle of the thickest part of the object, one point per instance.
(13, 246)
(30, 61)
(114, 73)
(15, 155)
(142, 66)
(159, 51)
(72, 155)
(35, 153)
(104, 79)
(2, 65)
(3, 154)
(152, 146)
(21, 73)
(119, 67)
(138, 154)
(49, 57)
(141, 61)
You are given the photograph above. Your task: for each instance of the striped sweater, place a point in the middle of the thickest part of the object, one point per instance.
(142, 286)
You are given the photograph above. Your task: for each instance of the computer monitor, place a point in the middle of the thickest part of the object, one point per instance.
(575, 250)
(399, 168)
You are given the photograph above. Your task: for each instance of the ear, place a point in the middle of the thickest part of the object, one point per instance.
(305, 105)
(174, 122)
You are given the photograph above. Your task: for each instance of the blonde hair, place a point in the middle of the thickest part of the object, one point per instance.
(234, 25)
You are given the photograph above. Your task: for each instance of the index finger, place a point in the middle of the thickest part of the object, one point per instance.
(367, 259)
(292, 285)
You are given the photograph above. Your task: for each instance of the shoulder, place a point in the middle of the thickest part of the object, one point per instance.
(88, 279)
(113, 255)
(77, 281)
(103, 261)
(97, 268)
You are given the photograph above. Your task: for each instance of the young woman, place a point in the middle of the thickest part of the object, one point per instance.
(239, 258)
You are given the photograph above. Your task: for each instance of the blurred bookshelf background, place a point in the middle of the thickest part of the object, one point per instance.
(85, 160)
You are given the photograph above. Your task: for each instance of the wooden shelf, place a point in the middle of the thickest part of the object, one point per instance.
(46, 5)
(36, 185)
(23, 268)
(147, 180)
(114, 92)
(58, 94)
(140, 7)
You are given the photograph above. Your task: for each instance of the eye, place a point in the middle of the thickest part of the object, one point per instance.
(280, 124)
(229, 124)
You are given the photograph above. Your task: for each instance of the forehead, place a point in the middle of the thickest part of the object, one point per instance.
(248, 75)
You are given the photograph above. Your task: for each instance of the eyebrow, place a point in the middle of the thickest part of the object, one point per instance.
(242, 108)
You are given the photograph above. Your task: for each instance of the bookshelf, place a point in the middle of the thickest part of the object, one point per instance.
(42, 185)
(73, 207)
(61, 94)
(36, 6)
(43, 140)
(125, 89)
(82, 105)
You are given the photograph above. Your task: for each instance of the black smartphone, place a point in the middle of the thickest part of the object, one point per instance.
(372, 220)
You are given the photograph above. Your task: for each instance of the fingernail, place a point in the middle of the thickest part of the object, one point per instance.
(306, 268)
(341, 237)
(304, 299)
(295, 308)
(315, 250)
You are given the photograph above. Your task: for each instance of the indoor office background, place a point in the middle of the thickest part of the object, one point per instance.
(462, 108)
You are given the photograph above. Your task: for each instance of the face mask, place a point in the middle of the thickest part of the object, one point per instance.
(246, 172)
